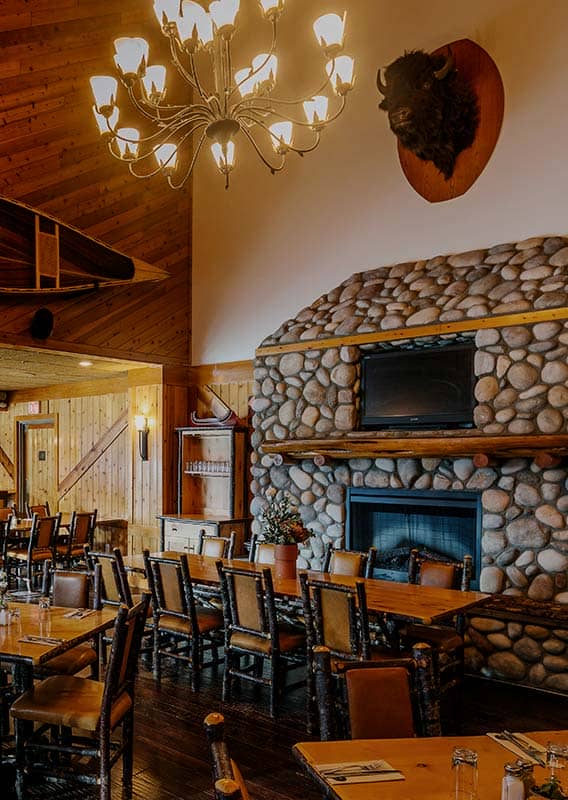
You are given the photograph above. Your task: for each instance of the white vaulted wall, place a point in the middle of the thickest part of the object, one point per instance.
(272, 244)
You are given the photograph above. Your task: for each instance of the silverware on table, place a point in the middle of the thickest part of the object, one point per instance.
(527, 748)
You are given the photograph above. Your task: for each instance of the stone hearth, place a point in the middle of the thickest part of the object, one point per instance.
(521, 366)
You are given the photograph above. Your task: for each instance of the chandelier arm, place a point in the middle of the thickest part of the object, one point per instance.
(261, 155)
(259, 68)
(295, 149)
(189, 77)
(189, 170)
(170, 112)
(283, 101)
(302, 124)
(198, 85)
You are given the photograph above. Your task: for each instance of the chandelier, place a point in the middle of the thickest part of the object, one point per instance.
(226, 102)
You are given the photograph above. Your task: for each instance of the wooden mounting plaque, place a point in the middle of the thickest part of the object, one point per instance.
(477, 66)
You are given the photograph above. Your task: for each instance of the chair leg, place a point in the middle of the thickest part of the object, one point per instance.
(127, 756)
(195, 664)
(273, 686)
(20, 732)
(105, 793)
(156, 663)
(227, 677)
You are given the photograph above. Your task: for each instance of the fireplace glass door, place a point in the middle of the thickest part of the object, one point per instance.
(442, 524)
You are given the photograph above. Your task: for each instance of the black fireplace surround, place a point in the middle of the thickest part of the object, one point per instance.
(444, 523)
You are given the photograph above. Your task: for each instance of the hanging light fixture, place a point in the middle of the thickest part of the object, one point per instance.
(225, 103)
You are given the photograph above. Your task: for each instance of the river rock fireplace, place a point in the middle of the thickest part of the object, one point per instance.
(511, 303)
(444, 524)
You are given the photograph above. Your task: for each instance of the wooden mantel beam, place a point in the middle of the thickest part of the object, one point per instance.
(417, 331)
(422, 445)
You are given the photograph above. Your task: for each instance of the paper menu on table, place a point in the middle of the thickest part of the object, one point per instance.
(524, 744)
(358, 772)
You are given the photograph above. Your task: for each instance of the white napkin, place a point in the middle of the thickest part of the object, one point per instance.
(518, 749)
(358, 772)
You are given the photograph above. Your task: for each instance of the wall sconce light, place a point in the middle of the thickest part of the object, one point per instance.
(141, 425)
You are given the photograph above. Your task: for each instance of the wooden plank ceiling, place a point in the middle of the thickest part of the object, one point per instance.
(51, 158)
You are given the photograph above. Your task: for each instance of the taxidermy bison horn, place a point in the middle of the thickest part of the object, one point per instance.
(381, 85)
(441, 73)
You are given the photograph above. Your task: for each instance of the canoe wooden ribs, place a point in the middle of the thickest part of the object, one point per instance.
(41, 255)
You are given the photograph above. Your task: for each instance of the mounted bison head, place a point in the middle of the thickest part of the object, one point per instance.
(432, 109)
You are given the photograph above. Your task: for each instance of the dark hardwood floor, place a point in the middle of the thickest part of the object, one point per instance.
(172, 759)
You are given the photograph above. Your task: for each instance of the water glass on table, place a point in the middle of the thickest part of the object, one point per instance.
(464, 767)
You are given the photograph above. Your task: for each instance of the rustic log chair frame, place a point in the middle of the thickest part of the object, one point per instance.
(40, 547)
(71, 589)
(365, 567)
(203, 626)
(41, 509)
(332, 695)
(228, 781)
(110, 586)
(358, 629)
(115, 713)
(228, 547)
(446, 641)
(279, 660)
(260, 552)
(81, 533)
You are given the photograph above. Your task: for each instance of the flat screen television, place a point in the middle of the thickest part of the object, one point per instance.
(427, 388)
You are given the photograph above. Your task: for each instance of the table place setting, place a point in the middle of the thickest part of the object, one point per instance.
(358, 772)
(521, 746)
(79, 613)
(44, 640)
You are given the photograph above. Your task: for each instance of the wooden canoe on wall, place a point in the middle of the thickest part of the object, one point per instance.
(40, 255)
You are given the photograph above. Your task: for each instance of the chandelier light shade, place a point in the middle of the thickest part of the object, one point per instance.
(225, 102)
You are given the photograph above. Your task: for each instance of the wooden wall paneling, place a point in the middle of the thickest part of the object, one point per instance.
(51, 157)
(146, 486)
(175, 415)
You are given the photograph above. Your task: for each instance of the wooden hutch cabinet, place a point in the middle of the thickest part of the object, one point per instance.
(211, 488)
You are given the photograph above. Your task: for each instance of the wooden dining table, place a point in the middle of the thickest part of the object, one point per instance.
(400, 602)
(424, 762)
(41, 625)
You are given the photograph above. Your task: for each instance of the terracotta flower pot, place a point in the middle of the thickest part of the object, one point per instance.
(285, 556)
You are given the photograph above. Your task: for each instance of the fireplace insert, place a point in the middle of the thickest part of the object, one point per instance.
(423, 388)
(442, 524)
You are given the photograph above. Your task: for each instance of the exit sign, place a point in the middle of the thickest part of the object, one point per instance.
(33, 407)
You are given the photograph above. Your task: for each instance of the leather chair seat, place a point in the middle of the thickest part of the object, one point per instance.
(289, 638)
(21, 553)
(207, 620)
(68, 701)
(70, 662)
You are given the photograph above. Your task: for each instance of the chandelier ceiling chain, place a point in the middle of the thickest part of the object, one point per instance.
(242, 101)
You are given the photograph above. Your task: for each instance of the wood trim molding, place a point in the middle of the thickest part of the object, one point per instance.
(8, 465)
(417, 331)
(226, 372)
(93, 455)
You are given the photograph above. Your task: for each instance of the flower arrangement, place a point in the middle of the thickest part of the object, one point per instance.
(281, 521)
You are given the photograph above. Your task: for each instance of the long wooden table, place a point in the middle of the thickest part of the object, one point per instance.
(425, 764)
(51, 623)
(423, 604)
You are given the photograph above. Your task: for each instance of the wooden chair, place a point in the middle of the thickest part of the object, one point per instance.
(349, 562)
(446, 641)
(81, 533)
(216, 546)
(336, 617)
(227, 777)
(110, 586)
(41, 509)
(182, 630)
(387, 699)
(261, 552)
(28, 560)
(69, 590)
(91, 722)
(252, 630)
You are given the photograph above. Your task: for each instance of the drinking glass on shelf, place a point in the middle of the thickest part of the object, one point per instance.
(464, 766)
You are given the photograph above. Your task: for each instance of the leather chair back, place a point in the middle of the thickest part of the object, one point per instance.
(70, 589)
(379, 703)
